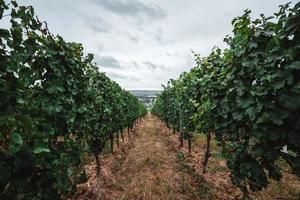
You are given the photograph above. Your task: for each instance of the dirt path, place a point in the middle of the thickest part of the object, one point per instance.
(150, 171)
(145, 171)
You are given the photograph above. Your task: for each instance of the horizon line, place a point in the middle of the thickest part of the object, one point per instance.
(141, 89)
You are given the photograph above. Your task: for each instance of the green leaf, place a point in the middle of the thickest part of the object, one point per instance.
(4, 33)
(14, 3)
(295, 65)
(16, 143)
(20, 101)
(40, 149)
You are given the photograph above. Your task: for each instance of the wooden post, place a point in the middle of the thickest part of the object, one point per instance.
(181, 130)
(98, 167)
(189, 143)
(207, 153)
(112, 142)
(117, 139)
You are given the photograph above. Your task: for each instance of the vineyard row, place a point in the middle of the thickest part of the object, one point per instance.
(247, 97)
(55, 109)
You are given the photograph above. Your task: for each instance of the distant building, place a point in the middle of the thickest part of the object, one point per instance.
(147, 97)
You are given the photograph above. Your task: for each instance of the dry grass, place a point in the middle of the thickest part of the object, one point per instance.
(218, 175)
(151, 166)
(143, 168)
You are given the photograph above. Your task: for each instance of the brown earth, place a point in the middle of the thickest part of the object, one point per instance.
(149, 165)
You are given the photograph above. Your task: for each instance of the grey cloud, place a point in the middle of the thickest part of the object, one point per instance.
(135, 64)
(134, 38)
(99, 28)
(131, 37)
(132, 78)
(134, 9)
(171, 54)
(96, 24)
(157, 34)
(158, 37)
(153, 66)
(158, 77)
(150, 65)
(117, 75)
(99, 47)
(108, 62)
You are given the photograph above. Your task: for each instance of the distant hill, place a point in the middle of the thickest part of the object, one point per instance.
(145, 93)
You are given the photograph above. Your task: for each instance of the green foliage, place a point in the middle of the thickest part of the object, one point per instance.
(54, 104)
(248, 95)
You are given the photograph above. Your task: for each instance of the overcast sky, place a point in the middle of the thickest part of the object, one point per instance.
(142, 44)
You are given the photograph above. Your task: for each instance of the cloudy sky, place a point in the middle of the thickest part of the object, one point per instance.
(142, 44)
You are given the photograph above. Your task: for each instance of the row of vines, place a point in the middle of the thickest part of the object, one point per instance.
(55, 109)
(247, 97)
